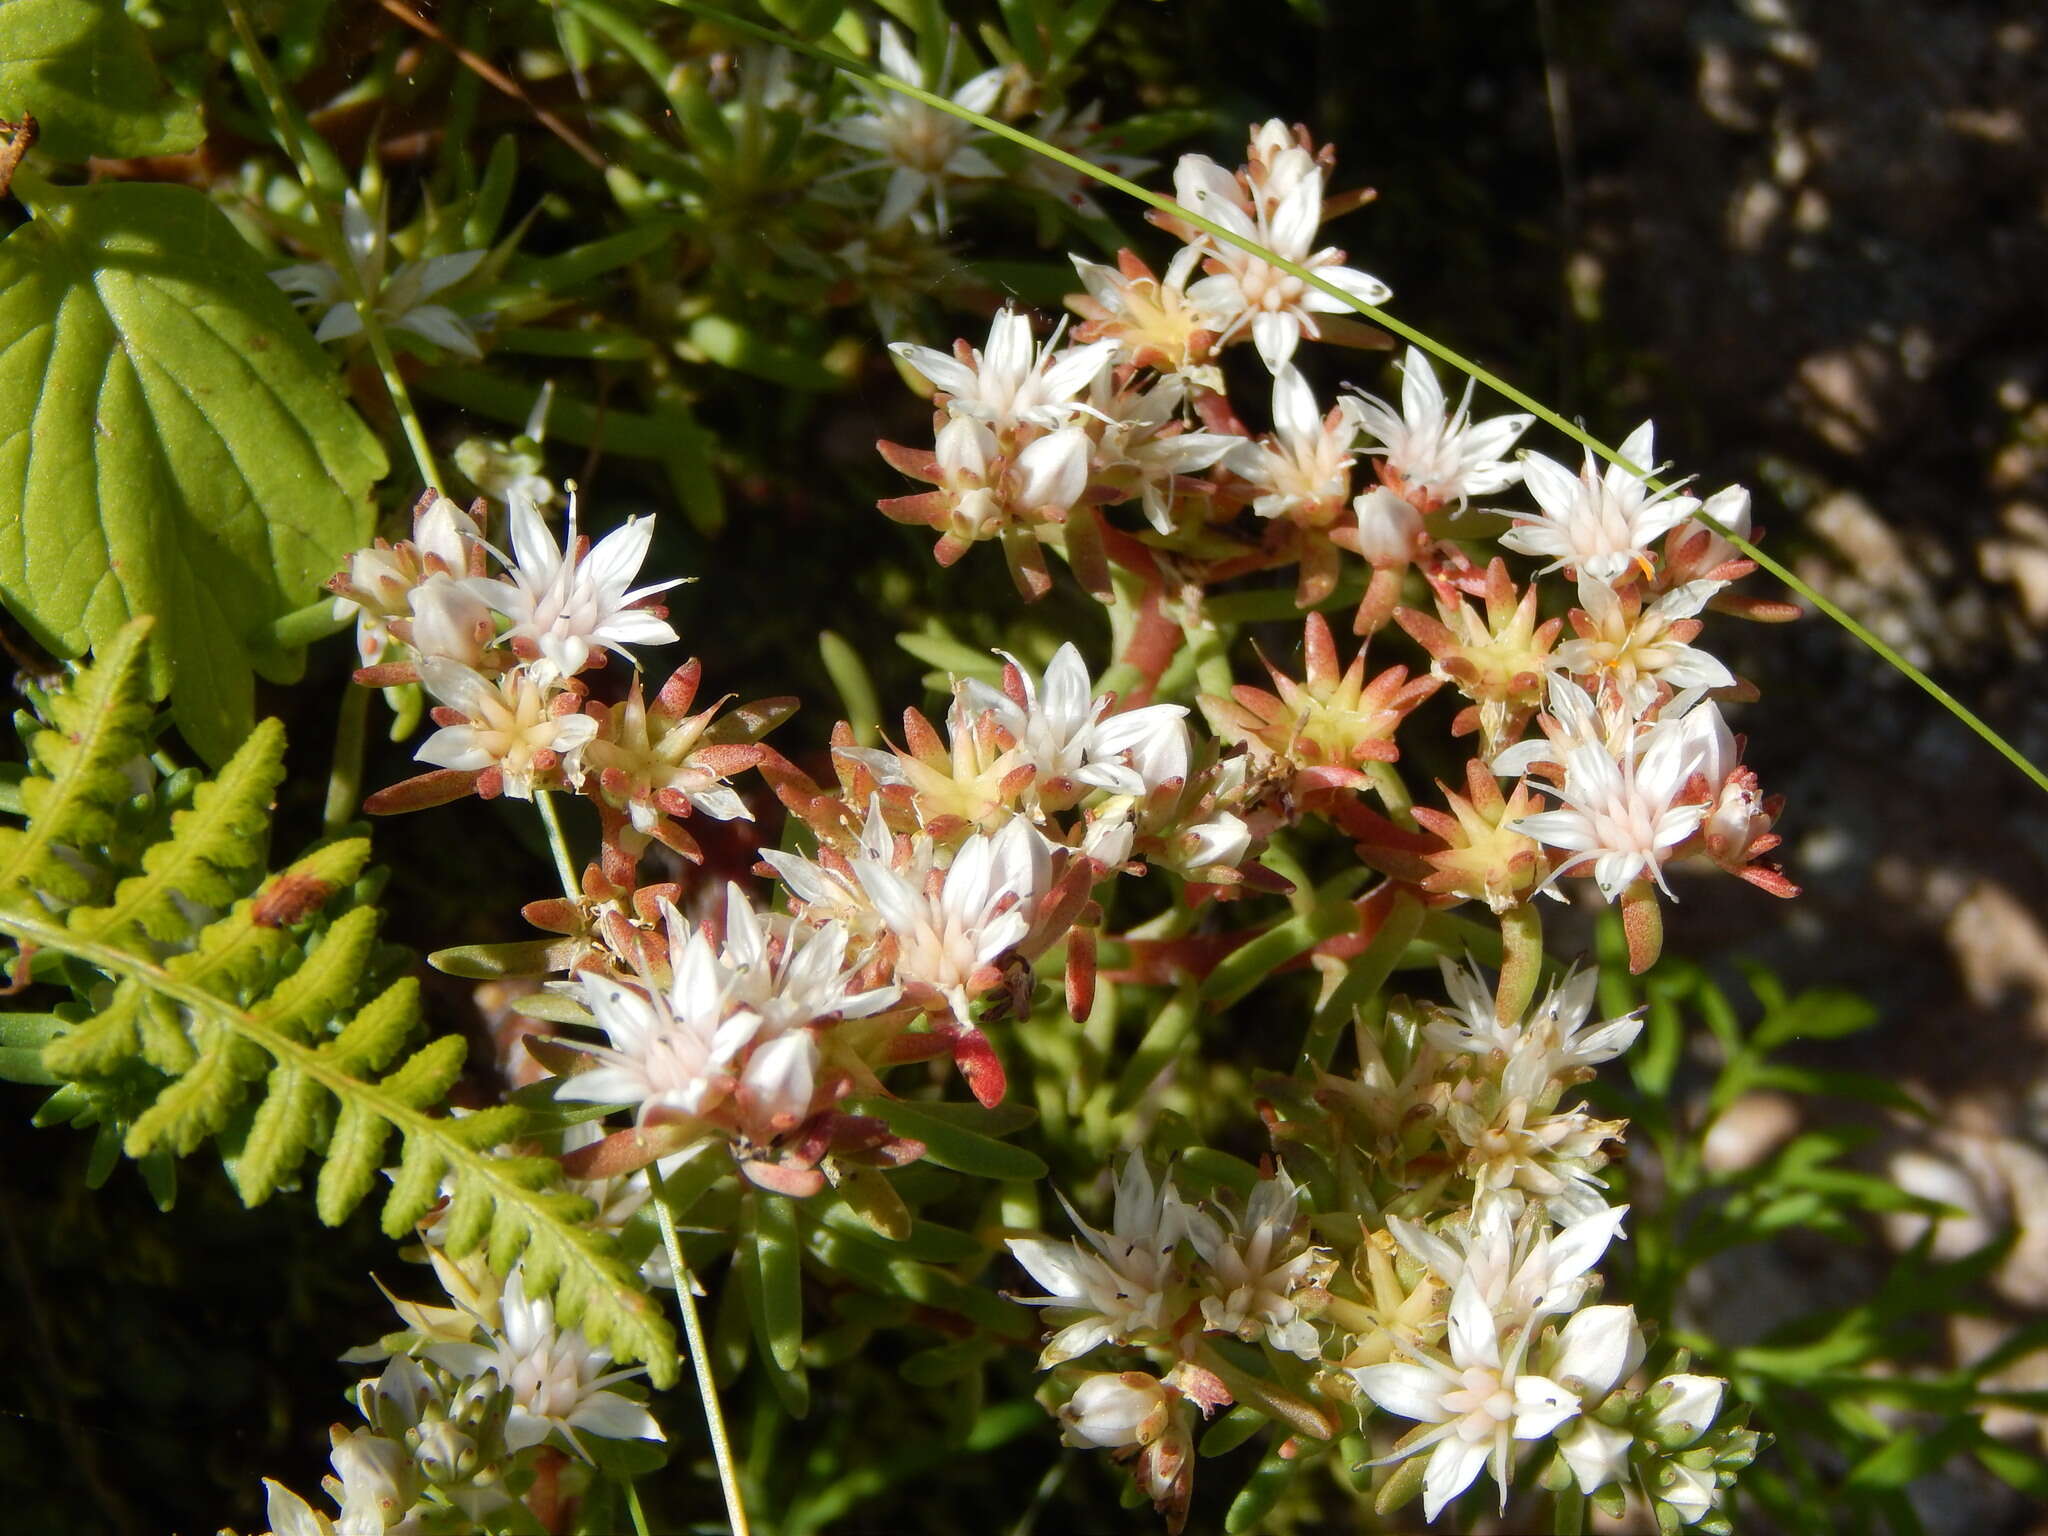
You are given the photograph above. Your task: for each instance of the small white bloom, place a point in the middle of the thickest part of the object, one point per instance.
(450, 621)
(1548, 1036)
(1256, 1267)
(1689, 1492)
(1014, 382)
(1135, 442)
(1223, 840)
(1690, 1413)
(1389, 528)
(568, 605)
(1523, 1270)
(1441, 453)
(1730, 508)
(1639, 653)
(400, 301)
(1250, 291)
(1599, 522)
(925, 151)
(1051, 473)
(1304, 469)
(1079, 136)
(509, 721)
(786, 973)
(982, 909)
(558, 1378)
(1477, 1402)
(1621, 816)
(1061, 731)
(376, 1485)
(1119, 1283)
(664, 1061)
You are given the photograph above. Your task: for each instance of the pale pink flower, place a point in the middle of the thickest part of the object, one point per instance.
(1014, 382)
(565, 604)
(1599, 522)
(511, 724)
(1249, 291)
(1437, 453)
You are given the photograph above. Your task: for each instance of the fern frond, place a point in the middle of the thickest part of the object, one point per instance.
(265, 1002)
(77, 780)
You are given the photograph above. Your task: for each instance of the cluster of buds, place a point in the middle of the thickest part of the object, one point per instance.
(481, 1404)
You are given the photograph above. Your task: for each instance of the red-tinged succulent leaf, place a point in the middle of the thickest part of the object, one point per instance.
(439, 787)
(629, 1150)
(978, 1063)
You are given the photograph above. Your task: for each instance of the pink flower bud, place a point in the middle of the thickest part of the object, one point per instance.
(1388, 528)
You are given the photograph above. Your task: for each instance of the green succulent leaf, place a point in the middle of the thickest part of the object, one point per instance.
(172, 443)
(83, 69)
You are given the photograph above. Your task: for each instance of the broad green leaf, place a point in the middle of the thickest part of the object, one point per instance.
(172, 442)
(83, 69)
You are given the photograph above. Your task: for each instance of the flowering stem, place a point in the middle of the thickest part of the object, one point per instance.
(1212, 657)
(282, 119)
(1393, 793)
(565, 866)
(1568, 1513)
(1521, 961)
(1363, 979)
(633, 1508)
(1379, 317)
(700, 1356)
(345, 778)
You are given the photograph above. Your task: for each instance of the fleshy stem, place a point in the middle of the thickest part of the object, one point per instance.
(1379, 317)
(345, 778)
(1521, 961)
(565, 865)
(352, 280)
(700, 1357)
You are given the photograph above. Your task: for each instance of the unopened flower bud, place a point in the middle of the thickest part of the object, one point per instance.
(1113, 1411)
(1388, 527)
(1053, 471)
(1687, 1412)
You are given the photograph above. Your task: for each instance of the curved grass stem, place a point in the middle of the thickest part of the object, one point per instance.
(284, 120)
(700, 1357)
(1399, 328)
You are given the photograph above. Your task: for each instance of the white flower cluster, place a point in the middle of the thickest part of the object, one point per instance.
(468, 1397)
(1034, 443)
(1165, 1274)
(970, 855)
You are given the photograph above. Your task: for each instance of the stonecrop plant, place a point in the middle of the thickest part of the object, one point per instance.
(1209, 903)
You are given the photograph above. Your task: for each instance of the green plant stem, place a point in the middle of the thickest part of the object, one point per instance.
(700, 1357)
(345, 777)
(330, 228)
(633, 1508)
(565, 865)
(1399, 328)
(1212, 656)
(1521, 961)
